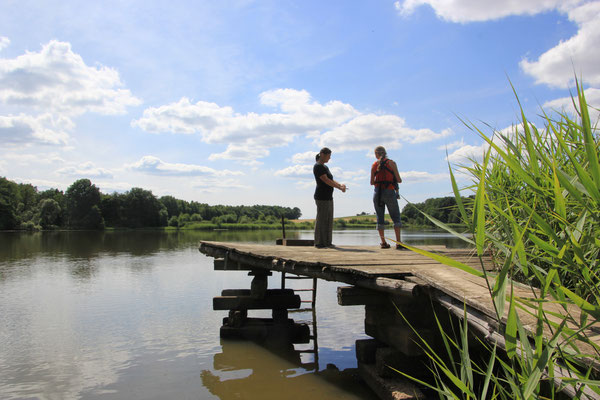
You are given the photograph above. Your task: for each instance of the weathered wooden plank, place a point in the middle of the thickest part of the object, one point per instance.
(402, 338)
(354, 296)
(294, 242)
(247, 292)
(264, 329)
(251, 303)
(221, 265)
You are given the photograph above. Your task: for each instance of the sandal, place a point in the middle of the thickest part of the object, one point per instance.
(400, 247)
(385, 245)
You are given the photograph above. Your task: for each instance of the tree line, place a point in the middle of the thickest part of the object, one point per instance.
(443, 209)
(83, 206)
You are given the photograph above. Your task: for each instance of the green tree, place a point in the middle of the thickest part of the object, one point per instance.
(83, 200)
(173, 205)
(142, 209)
(111, 207)
(8, 204)
(174, 221)
(59, 197)
(50, 213)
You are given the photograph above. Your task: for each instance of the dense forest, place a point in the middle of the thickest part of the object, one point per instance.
(83, 206)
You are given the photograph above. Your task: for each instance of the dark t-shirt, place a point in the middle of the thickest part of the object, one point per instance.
(323, 190)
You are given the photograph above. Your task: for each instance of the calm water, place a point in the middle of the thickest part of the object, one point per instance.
(128, 315)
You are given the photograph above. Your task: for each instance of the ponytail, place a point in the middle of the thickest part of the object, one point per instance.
(381, 151)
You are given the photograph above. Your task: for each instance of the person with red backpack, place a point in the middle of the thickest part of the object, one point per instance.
(385, 178)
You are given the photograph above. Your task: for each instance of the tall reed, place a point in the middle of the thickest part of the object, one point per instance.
(537, 209)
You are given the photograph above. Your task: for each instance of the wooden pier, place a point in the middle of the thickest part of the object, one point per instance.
(412, 281)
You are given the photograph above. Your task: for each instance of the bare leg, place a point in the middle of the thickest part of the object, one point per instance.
(382, 236)
(397, 232)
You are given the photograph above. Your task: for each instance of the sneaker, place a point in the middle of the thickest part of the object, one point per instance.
(385, 245)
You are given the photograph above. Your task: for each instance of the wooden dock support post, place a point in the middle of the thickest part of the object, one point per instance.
(394, 344)
(278, 330)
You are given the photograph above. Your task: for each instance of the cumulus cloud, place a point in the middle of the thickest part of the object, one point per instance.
(421, 176)
(57, 79)
(466, 153)
(4, 42)
(218, 124)
(27, 130)
(250, 136)
(184, 117)
(557, 66)
(296, 171)
(483, 10)
(453, 145)
(155, 166)
(366, 131)
(87, 169)
(245, 154)
(308, 157)
(565, 104)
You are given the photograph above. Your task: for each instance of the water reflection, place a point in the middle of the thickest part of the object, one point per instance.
(128, 314)
(244, 370)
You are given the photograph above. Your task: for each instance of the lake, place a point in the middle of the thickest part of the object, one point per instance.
(128, 315)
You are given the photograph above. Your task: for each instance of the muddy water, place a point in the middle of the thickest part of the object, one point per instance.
(128, 315)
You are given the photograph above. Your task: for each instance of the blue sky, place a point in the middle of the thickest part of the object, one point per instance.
(227, 102)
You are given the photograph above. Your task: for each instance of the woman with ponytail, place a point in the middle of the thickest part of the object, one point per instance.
(385, 178)
(324, 199)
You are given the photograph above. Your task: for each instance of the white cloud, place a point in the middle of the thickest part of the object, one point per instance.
(221, 125)
(298, 103)
(26, 129)
(308, 157)
(575, 56)
(296, 171)
(87, 170)
(4, 42)
(154, 166)
(57, 79)
(464, 154)
(245, 154)
(483, 10)
(368, 131)
(453, 145)
(184, 117)
(421, 176)
(565, 104)
(250, 136)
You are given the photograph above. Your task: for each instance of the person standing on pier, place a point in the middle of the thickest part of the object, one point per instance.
(385, 178)
(324, 199)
